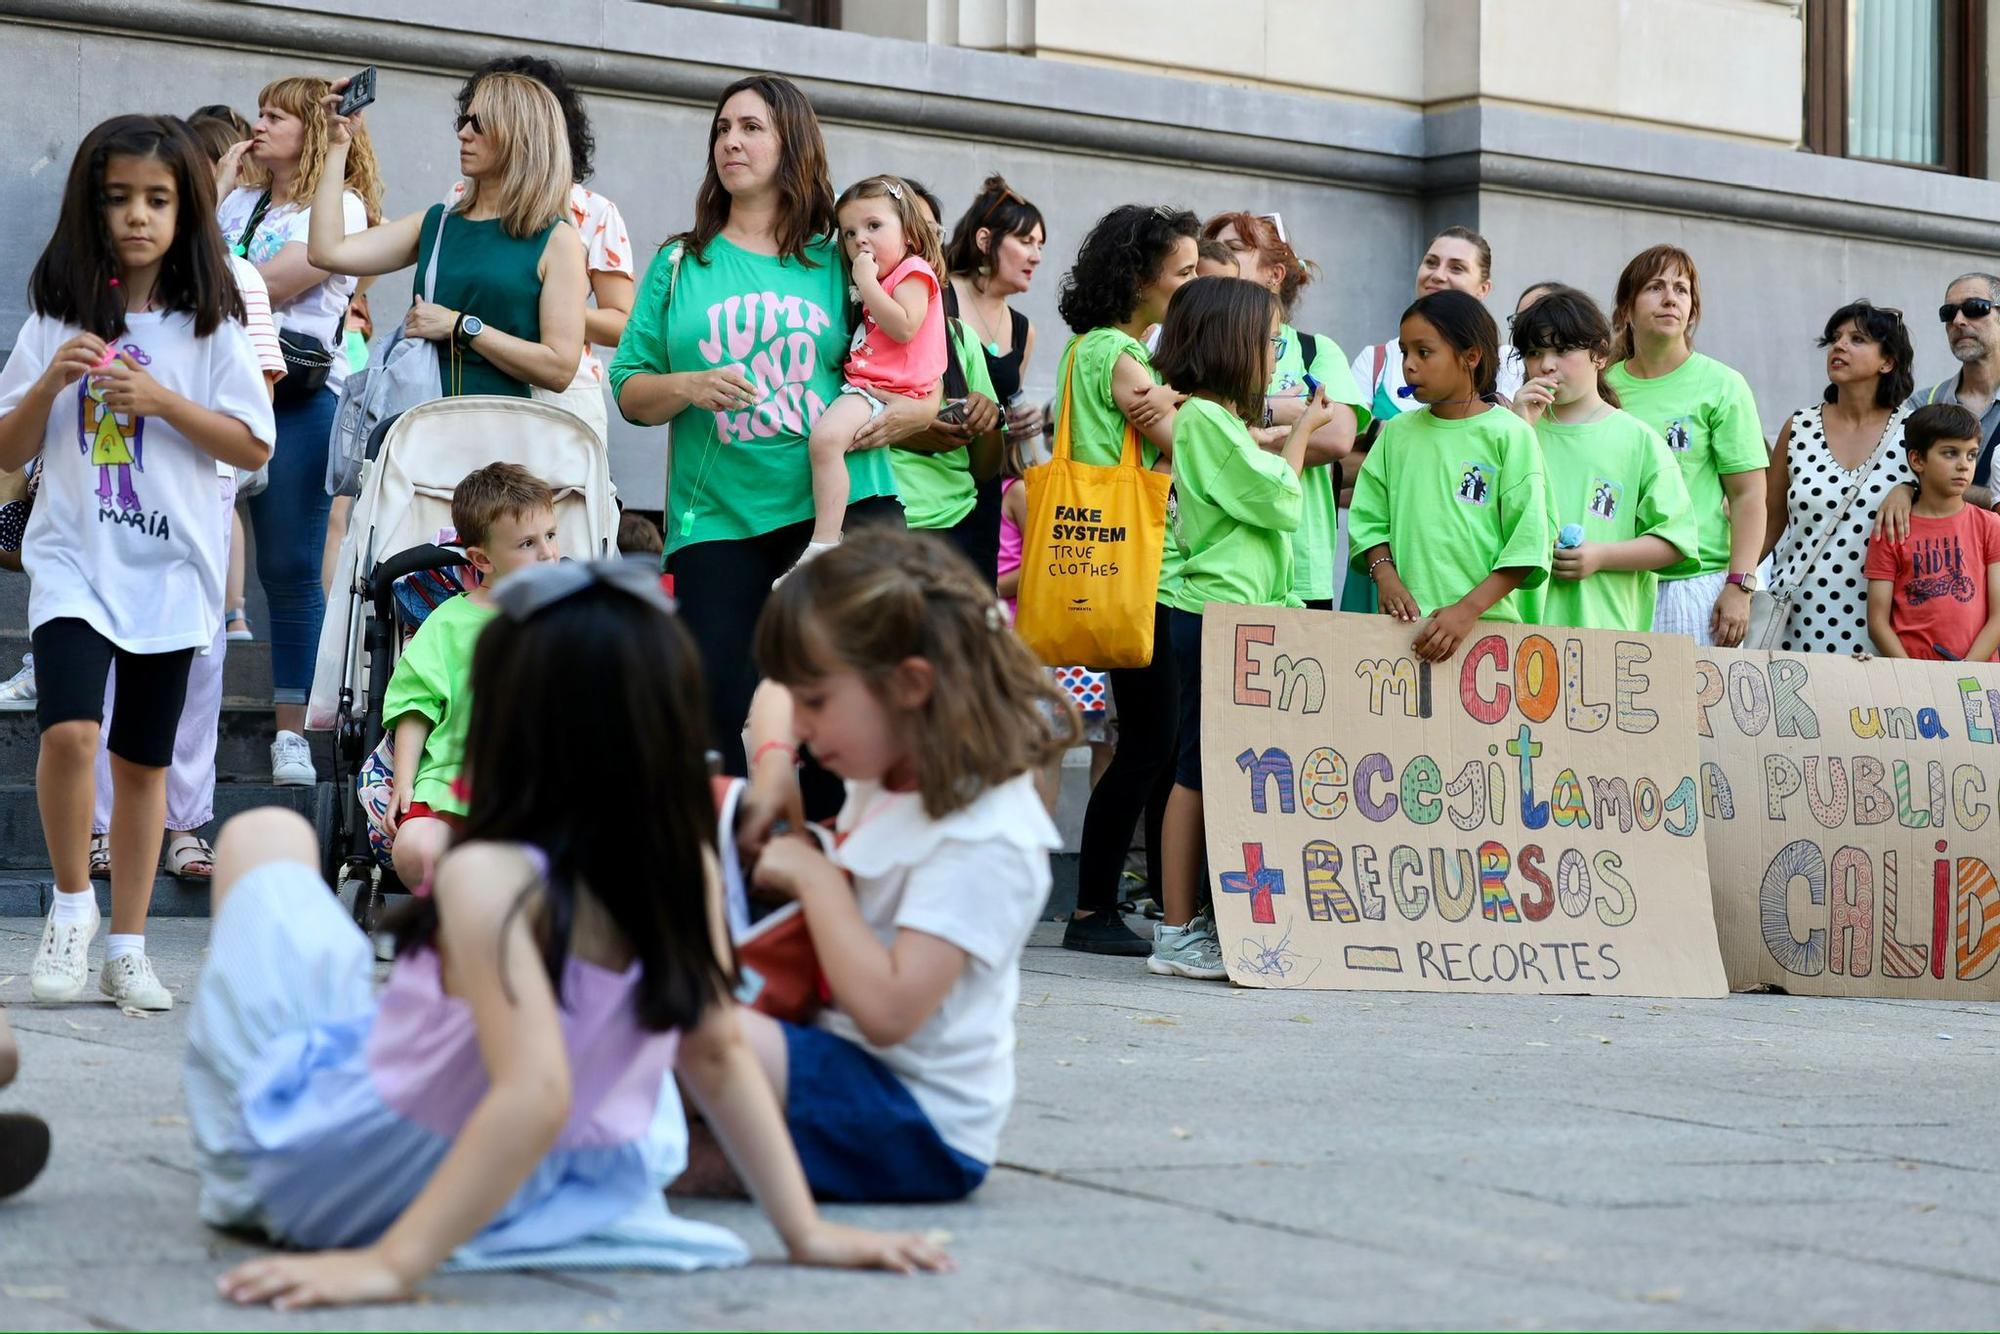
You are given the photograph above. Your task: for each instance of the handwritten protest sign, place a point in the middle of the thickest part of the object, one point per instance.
(1522, 818)
(1850, 813)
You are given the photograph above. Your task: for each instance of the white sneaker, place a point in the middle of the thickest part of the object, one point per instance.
(17, 693)
(292, 761)
(130, 982)
(62, 961)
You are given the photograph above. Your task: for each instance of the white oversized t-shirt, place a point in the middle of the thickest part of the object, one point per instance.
(321, 310)
(976, 879)
(123, 534)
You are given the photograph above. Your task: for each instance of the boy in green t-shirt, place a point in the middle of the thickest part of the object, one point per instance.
(506, 519)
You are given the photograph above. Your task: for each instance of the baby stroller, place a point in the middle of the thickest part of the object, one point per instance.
(405, 502)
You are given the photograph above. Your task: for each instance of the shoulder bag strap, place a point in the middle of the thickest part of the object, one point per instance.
(242, 247)
(1308, 351)
(1059, 448)
(437, 244)
(1840, 515)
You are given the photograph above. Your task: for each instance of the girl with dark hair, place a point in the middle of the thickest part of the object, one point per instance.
(1615, 492)
(993, 253)
(1852, 442)
(1450, 514)
(1238, 507)
(737, 337)
(1265, 257)
(132, 380)
(1709, 419)
(607, 248)
(497, 1102)
(1127, 269)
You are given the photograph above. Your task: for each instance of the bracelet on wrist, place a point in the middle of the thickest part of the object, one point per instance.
(791, 752)
(1379, 560)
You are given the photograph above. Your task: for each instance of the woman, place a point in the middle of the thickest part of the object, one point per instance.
(1852, 439)
(737, 337)
(940, 472)
(271, 185)
(995, 249)
(1459, 259)
(1127, 269)
(607, 248)
(1705, 411)
(1264, 257)
(507, 308)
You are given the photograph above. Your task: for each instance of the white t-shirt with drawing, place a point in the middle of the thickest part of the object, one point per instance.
(976, 879)
(123, 534)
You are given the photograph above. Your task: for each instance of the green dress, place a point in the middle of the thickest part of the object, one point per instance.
(485, 272)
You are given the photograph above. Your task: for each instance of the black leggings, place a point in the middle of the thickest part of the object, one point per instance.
(72, 661)
(1139, 777)
(721, 587)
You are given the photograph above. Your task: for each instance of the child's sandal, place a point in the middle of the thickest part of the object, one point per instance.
(100, 856)
(190, 858)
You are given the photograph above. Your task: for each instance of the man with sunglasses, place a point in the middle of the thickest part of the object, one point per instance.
(1971, 318)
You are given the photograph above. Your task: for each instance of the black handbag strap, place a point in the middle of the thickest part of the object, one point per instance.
(242, 247)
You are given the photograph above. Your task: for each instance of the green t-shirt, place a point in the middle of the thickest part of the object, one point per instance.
(1455, 501)
(1237, 509)
(738, 474)
(938, 489)
(1313, 544)
(434, 678)
(1615, 478)
(1705, 411)
(1097, 427)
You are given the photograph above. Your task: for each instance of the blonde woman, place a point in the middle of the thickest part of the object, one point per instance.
(508, 304)
(268, 185)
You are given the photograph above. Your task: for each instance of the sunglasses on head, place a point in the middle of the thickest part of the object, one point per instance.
(469, 118)
(1975, 308)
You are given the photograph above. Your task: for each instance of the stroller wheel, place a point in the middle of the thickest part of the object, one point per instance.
(359, 895)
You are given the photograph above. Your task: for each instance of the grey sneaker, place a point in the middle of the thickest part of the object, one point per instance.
(292, 761)
(62, 962)
(1187, 951)
(130, 982)
(17, 692)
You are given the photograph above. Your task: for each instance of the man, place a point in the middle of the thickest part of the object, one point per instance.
(1971, 315)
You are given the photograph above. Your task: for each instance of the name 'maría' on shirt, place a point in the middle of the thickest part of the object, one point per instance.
(1074, 523)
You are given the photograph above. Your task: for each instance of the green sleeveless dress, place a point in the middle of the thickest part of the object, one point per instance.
(485, 272)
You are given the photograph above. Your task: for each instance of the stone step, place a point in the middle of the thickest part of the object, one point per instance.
(22, 849)
(242, 746)
(246, 668)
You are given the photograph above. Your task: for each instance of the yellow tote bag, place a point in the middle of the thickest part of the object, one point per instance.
(1090, 554)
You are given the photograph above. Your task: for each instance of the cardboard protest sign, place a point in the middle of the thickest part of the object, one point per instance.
(1522, 818)
(1850, 812)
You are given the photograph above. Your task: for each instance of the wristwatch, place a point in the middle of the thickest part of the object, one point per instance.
(1749, 583)
(470, 327)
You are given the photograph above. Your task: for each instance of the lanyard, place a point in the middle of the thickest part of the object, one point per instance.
(242, 247)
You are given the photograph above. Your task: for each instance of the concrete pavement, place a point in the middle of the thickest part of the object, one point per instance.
(1189, 1155)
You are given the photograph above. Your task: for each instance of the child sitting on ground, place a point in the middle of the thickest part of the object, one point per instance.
(894, 259)
(498, 1103)
(1936, 593)
(892, 660)
(506, 519)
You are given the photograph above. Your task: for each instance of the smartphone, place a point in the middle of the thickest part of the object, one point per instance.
(1312, 388)
(360, 92)
(953, 412)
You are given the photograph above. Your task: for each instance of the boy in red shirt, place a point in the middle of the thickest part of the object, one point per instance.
(1936, 594)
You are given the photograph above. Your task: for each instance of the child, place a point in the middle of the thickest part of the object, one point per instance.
(894, 260)
(891, 659)
(1617, 495)
(132, 380)
(495, 1102)
(1216, 260)
(1936, 593)
(506, 519)
(1238, 507)
(1450, 513)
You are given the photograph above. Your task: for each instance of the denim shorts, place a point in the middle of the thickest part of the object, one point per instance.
(860, 1135)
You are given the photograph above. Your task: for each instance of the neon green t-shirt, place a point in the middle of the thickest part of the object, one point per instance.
(434, 678)
(738, 474)
(1705, 411)
(1615, 478)
(1455, 501)
(1097, 427)
(1238, 508)
(1313, 545)
(938, 489)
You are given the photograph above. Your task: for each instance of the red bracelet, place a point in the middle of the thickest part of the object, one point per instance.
(788, 748)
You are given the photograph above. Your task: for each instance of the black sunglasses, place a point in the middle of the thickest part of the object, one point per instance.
(536, 590)
(1976, 308)
(468, 118)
